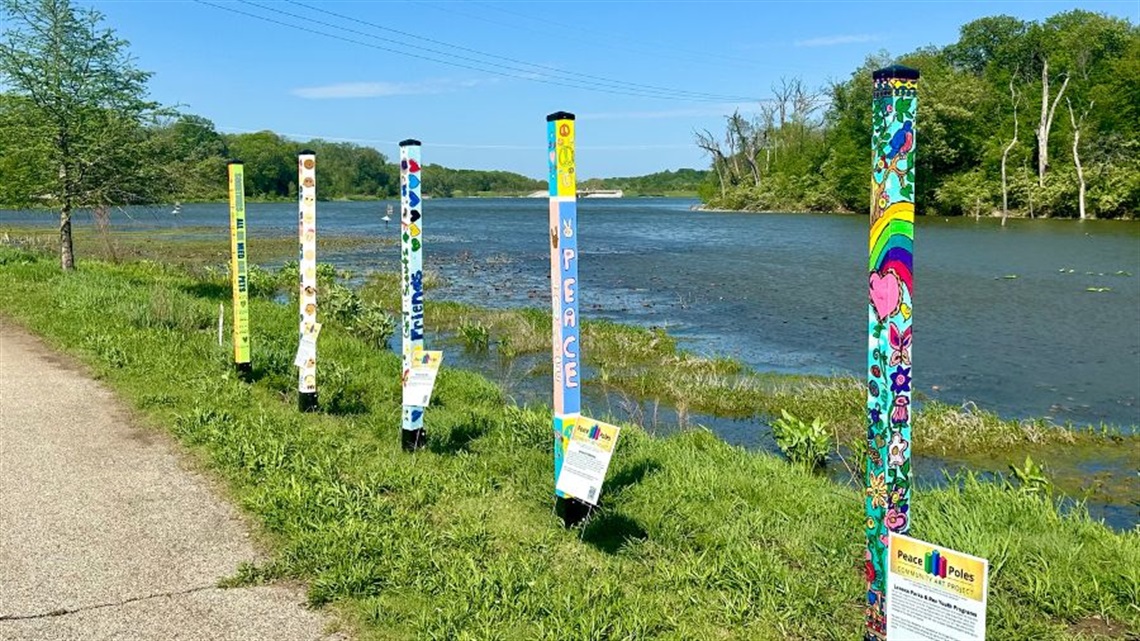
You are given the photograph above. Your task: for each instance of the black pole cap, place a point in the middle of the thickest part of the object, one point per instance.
(409, 142)
(895, 71)
(234, 162)
(306, 152)
(560, 115)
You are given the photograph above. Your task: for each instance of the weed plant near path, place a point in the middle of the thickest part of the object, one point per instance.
(696, 540)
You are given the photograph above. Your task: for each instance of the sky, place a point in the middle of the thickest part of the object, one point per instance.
(475, 80)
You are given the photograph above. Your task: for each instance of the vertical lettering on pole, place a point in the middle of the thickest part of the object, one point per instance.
(238, 264)
(563, 234)
(411, 261)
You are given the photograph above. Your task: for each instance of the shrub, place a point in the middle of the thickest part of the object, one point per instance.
(803, 443)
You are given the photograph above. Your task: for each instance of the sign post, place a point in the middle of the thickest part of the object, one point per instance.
(309, 327)
(412, 435)
(566, 345)
(888, 477)
(239, 274)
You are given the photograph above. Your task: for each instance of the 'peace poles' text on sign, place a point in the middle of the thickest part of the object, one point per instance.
(587, 458)
(934, 594)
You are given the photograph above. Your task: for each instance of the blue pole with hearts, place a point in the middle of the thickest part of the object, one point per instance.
(412, 435)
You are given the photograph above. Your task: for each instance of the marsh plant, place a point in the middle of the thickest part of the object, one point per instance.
(802, 442)
(476, 336)
(1032, 478)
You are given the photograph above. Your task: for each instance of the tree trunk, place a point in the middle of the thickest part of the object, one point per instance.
(66, 249)
(1047, 114)
(1077, 155)
(1005, 157)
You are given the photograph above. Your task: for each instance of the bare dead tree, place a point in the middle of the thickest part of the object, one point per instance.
(1015, 99)
(1077, 124)
(804, 103)
(1046, 123)
(746, 139)
(767, 129)
(707, 142)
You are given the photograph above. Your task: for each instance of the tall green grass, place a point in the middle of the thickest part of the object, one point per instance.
(697, 539)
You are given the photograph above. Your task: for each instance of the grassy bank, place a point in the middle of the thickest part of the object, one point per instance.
(190, 246)
(697, 539)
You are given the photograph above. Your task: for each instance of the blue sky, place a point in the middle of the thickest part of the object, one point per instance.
(687, 64)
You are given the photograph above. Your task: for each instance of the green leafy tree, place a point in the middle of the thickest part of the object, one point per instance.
(79, 109)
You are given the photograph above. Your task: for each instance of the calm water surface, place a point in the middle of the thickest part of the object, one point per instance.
(788, 292)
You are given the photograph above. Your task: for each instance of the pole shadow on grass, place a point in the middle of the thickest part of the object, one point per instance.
(210, 291)
(610, 530)
(459, 437)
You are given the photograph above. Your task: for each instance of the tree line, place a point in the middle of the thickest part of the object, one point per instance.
(1016, 117)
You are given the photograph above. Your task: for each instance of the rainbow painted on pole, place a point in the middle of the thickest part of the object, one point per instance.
(238, 267)
(890, 288)
(307, 235)
(566, 345)
(412, 259)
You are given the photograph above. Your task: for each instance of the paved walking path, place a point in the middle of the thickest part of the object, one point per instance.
(104, 531)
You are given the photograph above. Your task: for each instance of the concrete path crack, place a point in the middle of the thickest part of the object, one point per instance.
(65, 611)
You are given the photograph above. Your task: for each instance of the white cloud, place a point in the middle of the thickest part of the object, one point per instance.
(384, 89)
(831, 41)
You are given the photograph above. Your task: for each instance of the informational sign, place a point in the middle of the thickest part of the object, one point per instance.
(307, 234)
(934, 594)
(238, 265)
(421, 377)
(587, 457)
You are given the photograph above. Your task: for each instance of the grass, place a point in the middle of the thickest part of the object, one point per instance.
(697, 539)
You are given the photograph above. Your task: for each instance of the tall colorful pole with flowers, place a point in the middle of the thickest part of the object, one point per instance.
(412, 434)
(891, 285)
(566, 354)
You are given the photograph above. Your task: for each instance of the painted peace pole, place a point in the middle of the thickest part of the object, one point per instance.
(309, 328)
(412, 435)
(238, 269)
(891, 285)
(566, 344)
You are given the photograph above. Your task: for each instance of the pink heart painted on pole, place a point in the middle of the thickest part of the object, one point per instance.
(885, 294)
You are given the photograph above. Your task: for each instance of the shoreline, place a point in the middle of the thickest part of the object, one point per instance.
(992, 216)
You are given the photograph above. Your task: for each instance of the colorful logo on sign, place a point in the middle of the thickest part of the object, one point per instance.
(935, 564)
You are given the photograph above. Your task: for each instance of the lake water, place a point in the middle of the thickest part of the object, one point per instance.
(787, 292)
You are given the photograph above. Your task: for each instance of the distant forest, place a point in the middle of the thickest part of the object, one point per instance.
(188, 159)
(1054, 102)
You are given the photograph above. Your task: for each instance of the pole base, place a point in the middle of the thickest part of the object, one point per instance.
(412, 440)
(307, 401)
(572, 510)
(243, 370)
